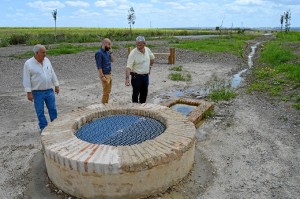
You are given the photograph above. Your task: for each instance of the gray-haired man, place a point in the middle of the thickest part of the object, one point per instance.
(39, 79)
(138, 66)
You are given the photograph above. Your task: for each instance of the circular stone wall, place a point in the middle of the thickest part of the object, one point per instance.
(97, 170)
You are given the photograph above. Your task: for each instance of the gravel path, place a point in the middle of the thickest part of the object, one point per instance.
(249, 149)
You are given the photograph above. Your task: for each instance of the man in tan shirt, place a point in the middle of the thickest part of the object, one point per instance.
(138, 67)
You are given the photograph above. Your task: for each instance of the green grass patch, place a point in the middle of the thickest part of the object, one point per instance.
(176, 68)
(280, 74)
(208, 113)
(297, 104)
(221, 94)
(264, 73)
(23, 55)
(60, 49)
(180, 77)
(258, 86)
(234, 44)
(290, 37)
(291, 71)
(274, 54)
(69, 49)
(271, 86)
(47, 35)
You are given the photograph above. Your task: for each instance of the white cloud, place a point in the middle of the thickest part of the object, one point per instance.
(123, 2)
(105, 3)
(78, 3)
(16, 15)
(285, 2)
(86, 13)
(175, 5)
(48, 5)
(250, 2)
(123, 7)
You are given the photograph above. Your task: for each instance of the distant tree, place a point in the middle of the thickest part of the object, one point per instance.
(219, 28)
(131, 18)
(286, 20)
(281, 22)
(281, 28)
(241, 30)
(287, 17)
(54, 14)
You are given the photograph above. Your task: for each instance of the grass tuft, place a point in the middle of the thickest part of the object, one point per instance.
(208, 113)
(176, 68)
(180, 77)
(221, 94)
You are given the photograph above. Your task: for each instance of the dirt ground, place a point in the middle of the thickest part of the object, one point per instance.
(250, 148)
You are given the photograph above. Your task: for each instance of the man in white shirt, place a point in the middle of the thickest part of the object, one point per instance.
(138, 66)
(38, 81)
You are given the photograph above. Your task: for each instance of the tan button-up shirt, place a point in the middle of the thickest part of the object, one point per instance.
(140, 62)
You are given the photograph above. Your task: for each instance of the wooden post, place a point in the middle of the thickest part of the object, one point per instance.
(172, 56)
(129, 50)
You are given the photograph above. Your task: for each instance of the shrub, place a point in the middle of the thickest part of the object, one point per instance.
(180, 77)
(16, 39)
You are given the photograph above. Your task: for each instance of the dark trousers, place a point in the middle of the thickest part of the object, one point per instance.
(140, 85)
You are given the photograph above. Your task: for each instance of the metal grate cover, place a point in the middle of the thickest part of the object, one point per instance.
(120, 130)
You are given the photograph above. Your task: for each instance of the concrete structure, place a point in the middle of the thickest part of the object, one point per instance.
(198, 113)
(88, 170)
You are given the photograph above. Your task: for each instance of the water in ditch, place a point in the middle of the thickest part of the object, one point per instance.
(203, 92)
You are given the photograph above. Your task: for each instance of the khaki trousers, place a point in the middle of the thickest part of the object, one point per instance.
(106, 85)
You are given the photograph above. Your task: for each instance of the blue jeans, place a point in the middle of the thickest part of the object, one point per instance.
(47, 97)
(140, 85)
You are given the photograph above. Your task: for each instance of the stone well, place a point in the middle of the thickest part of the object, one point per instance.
(91, 170)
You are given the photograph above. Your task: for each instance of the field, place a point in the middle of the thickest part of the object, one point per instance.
(30, 36)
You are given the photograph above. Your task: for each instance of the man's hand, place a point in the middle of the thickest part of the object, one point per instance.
(127, 82)
(127, 73)
(103, 78)
(30, 96)
(56, 89)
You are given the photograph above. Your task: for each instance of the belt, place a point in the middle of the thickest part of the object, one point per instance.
(136, 74)
(107, 73)
(42, 90)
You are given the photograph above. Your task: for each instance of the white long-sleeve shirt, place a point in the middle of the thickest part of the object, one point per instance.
(38, 76)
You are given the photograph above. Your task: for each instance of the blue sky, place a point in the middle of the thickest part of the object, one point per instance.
(149, 13)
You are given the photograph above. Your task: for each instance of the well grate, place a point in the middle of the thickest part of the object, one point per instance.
(120, 130)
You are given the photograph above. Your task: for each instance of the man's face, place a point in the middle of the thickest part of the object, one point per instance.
(140, 45)
(107, 46)
(41, 54)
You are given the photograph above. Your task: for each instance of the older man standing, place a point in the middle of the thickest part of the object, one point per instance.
(138, 66)
(38, 81)
(103, 59)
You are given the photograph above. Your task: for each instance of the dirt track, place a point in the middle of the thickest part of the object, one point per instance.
(249, 149)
